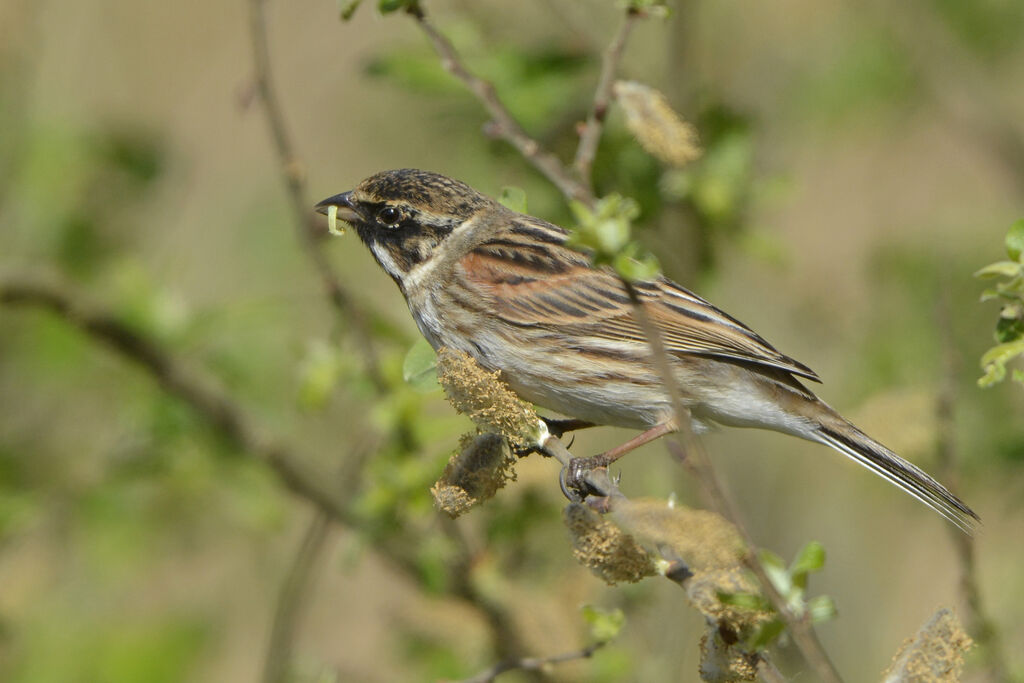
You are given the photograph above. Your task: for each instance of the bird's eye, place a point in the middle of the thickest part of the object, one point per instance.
(389, 215)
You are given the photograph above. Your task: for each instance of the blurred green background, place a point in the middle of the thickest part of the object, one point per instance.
(863, 159)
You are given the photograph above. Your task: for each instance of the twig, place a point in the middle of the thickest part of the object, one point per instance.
(173, 377)
(292, 599)
(346, 304)
(298, 582)
(980, 624)
(231, 421)
(533, 663)
(592, 129)
(686, 448)
(504, 124)
(506, 642)
(599, 481)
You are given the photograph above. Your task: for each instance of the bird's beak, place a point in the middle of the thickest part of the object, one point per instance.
(346, 207)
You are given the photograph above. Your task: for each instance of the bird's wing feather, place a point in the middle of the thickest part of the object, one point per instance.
(528, 277)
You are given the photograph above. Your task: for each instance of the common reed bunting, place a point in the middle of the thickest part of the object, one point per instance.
(503, 287)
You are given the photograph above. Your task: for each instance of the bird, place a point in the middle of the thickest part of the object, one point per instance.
(507, 289)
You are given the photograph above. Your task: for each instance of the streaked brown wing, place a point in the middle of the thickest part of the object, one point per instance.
(529, 280)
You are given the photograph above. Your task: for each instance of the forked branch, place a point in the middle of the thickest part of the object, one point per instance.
(504, 125)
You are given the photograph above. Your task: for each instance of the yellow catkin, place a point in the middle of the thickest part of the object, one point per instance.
(487, 400)
(703, 539)
(481, 465)
(655, 125)
(935, 654)
(724, 663)
(604, 549)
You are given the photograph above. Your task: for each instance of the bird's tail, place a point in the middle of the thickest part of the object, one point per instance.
(855, 444)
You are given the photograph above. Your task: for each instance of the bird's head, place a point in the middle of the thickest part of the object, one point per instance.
(404, 216)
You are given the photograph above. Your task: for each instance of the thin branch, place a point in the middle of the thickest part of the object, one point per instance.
(346, 304)
(980, 624)
(292, 599)
(215, 406)
(297, 586)
(591, 133)
(230, 420)
(687, 448)
(504, 125)
(607, 489)
(533, 663)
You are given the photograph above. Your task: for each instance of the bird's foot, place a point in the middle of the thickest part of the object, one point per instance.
(584, 477)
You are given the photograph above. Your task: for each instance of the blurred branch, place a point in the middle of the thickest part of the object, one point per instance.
(607, 496)
(684, 445)
(298, 582)
(687, 450)
(292, 599)
(216, 407)
(346, 304)
(533, 663)
(504, 125)
(980, 624)
(506, 641)
(592, 129)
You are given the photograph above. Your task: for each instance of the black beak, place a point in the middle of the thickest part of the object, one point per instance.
(346, 207)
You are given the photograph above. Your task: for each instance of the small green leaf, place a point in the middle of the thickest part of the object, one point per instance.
(581, 213)
(995, 359)
(999, 269)
(513, 198)
(746, 601)
(767, 634)
(420, 367)
(811, 558)
(989, 295)
(1015, 240)
(388, 6)
(605, 625)
(636, 267)
(347, 9)
(1009, 329)
(821, 608)
(775, 568)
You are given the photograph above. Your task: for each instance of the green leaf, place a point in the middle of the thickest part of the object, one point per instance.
(746, 601)
(347, 9)
(1015, 240)
(821, 608)
(513, 198)
(388, 6)
(995, 359)
(635, 266)
(775, 568)
(765, 635)
(419, 369)
(581, 212)
(989, 295)
(605, 625)
(1009, 329)
(999, 269)
(811, 558)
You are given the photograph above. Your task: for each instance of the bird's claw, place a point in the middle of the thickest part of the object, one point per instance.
(575, 481)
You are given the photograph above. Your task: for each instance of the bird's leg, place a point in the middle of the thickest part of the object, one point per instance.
(577, 466)
(560, 427)
(556, 428)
